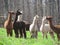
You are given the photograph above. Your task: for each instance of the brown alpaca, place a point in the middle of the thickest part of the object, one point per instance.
(8, 24)
(55, 28)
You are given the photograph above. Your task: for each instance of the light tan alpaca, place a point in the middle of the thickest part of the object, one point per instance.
(33, 27)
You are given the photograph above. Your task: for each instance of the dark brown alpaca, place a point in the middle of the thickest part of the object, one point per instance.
(8, 24)
(55, 28)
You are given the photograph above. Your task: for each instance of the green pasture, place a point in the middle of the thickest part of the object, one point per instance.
(4, 40)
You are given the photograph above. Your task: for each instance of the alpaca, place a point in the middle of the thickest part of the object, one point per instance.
(33, 27)
(8, 23)
(45, 28)
(27, 25)
(19, 25)
(55, 28)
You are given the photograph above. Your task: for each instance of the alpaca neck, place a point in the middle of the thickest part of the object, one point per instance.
(43, 23)
(34, 22)
(19, 18)
(15, 18)
(9, 17)
(51, 25)
(50, 22)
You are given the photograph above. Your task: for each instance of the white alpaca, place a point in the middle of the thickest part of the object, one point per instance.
(33, 27)
(45, 28)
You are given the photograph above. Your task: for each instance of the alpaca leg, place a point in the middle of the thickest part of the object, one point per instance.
(58, 37)
(52, 35)
(36, 34)
(7, 32)
(43, 34)
(46, 36)
(24, 32)
(21, 35)
(32, 34)
(11, 33)
(16, 33)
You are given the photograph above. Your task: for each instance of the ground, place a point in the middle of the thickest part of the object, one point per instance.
(4, 40)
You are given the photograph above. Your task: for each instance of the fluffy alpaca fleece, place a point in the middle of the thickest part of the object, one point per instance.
(45, 28)
(33, 27)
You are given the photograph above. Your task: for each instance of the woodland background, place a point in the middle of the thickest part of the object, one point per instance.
(30, 8)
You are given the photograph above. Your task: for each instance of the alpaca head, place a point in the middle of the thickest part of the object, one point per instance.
(18, 12)
(36, 18)
(11, 12)
(49, 17)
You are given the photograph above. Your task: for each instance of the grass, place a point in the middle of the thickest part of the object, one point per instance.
(4, 40)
